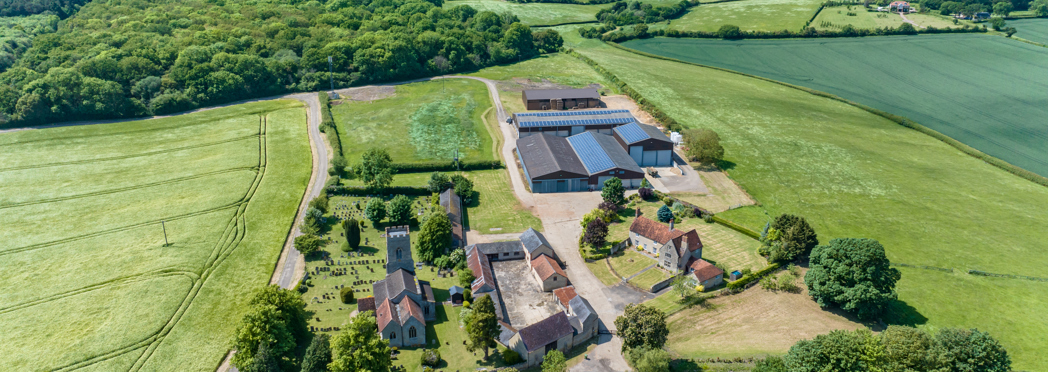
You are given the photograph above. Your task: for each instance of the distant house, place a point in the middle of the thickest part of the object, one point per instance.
(453, 205)
(705, 273)
(534, 341)
(457, 294)
(899, 6)
(548, 272)
(560, 99)
(982, 15)
(674, 248)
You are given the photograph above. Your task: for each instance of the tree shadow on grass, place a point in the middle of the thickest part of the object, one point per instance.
(901, 313)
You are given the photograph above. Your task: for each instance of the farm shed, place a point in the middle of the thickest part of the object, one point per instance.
(568, 123)
(560, 99)
(457, 294)
(550, 164)
(647, 145)
(534, 341)
(604, 158)
(705, 273)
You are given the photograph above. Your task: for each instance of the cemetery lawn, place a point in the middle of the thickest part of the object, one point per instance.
(104, 291)
(749, 15)
(385, 123)
(854, 174)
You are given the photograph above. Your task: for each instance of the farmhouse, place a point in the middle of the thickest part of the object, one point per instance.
(559, 99)
(705, 274)
(899, 6)
(647, 145)
(569, 123)
(402, 303)
(453, 206)
(673, 248)
(577, 163)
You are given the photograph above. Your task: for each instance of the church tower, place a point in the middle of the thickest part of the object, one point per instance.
(398, 249)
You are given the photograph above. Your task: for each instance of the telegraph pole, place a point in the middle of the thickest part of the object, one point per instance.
(165, 232)
(331, 74)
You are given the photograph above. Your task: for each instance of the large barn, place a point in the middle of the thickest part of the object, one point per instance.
(647, 145)
(569, 123)
(578, 163)
(560, 99)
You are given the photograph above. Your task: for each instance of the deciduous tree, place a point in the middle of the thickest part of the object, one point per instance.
(438, 182)
(318, 354)
(554, 361)
(613, 191)
(399, 210)
(704, 144)
(359, 347)
(596, 233)
(642, 325)
(375, 211)
(463, 188)
(434, 238)
(376, 168)
(308, 244)
(853, 274)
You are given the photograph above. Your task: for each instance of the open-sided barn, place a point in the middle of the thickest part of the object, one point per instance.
(559, 99)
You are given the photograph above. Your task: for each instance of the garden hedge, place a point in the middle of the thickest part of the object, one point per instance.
(740, 284)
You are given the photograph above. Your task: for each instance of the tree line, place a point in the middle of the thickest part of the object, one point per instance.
(627, 13)
(128, 58)
(61, 8)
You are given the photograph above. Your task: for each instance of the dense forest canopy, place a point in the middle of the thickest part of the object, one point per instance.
(62, 8)
(627, 13)
(120, 58)
(16, 35)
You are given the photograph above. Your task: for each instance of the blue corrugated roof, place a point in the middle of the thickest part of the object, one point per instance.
(570, 122)
(632, 133)
(572, 113)
(593, 156)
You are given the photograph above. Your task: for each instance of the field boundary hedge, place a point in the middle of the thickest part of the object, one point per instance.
(572, 23)
(805, 33)
(447, 166)
(1006, 166)
(327, 124)
(1010, 276)
(744, 282)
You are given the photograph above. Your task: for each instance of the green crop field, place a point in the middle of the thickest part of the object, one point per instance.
(1031, 29)
(835, 18)
(854, 174)
(535, 13)
(991, 100)
(749, 15)
(88, 281)
(387, 122)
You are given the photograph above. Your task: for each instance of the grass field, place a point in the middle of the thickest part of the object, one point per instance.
(88, 279)
(853, 174)
(1031, 29)
(495, 210)
(994, 108)
(535, 13)
(648, 278)
(369, 124)
(630, 262)
(835, 18)
(749, 15)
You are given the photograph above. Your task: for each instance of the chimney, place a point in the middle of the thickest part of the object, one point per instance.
(671, 223)
(636, 212)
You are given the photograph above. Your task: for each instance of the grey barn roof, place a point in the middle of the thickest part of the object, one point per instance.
(581, 312)
(548, 330)
(634, 132)
(544, 154)
(542, 94)
(532, 239)
(600, 152)
(500, 247)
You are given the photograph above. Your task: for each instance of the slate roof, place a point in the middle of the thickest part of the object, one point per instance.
(600, 152)
(534, 94)
(704, 270)
(456, 290)
(427, 290)
(506, 333)
(662, 234)
(544, 154)
(478, 264)
(453, 205)
(500, 247)
(394, 284)
(365, 304)
(545, 267)
(538, 335)
(565, 294)
(409, 309)
(532, 240)
(635, 132)
(581, 313)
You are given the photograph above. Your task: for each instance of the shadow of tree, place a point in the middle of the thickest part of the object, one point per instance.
(901, 313)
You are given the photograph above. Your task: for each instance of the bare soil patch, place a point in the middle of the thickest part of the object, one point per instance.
(724, 192)
(365, 94)
(621, 102)
(755, 322)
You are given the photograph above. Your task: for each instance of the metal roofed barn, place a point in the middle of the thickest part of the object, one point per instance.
(647, 145)
(559, 99)
(567, 123)
(578, 163)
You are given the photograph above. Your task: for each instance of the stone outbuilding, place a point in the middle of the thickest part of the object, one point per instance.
(453, 206)
(581, 315)
(535, 244)
(705, 274)
(534, 341)
(548, 273)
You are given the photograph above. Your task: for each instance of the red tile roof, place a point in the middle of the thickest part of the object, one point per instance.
(546, 267)
(478, 264)
(704, 270)
(408, 308)
(662, 234)
(565, 294)
(385, 313)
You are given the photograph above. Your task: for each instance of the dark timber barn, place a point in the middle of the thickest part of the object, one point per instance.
(647, 145)
(560, 99)
(570, 123)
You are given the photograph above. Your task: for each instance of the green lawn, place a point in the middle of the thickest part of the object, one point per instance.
(629, 262)
(1031, 29)
(648, 278)
(494, 209)
(535, 13)
(994, 109)
(836, 17)
(853, 174)
(600, 269)
(749, 15)
(385, 123)
(88, 279)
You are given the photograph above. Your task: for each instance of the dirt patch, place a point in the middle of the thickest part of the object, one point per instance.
(755, 322)
(524, 300)
(724, 193)
(366, 94)
(621, 102)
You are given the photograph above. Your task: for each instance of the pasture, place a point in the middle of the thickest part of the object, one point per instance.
(836, 17)
(749, 15)
(1035, 30)
(388, 122)
(535, 13)
(996, 107)
(89, 281)
(854, 174)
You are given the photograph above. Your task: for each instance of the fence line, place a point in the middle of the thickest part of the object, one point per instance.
(1010, 276)
(922, 267)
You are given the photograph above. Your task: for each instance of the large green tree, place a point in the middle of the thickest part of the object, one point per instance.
(263, 361)
(359, 347)
(483, 327)
(351, 228)
(463, 188)
(704, 144)
(554, 361)
(308, 244)
(399, 210)
(434, 237)
(318, 354)
(797, 238)
(853, 274)
(644, 359)
(613, 191)
(969, 350)
(376, 168)
(642, 325)
(276, 317)
(375, 210)
(438, 182)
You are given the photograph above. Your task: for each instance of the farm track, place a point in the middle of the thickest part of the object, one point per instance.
(129, 188)
(234, 233)
(151, 153)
